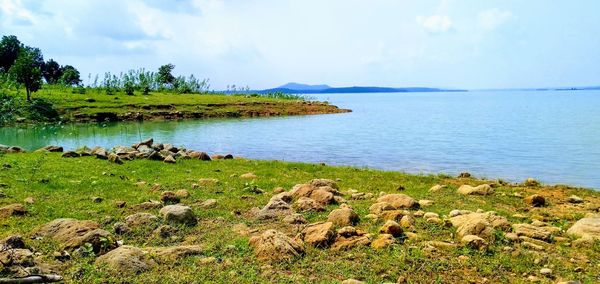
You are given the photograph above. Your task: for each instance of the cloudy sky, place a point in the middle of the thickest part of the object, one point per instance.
(266, 43)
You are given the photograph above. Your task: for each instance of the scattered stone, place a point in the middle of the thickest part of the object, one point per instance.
(182, 193)
(276, 207)
(484, 189)
(440, 245)
(209, 203)
(113, 158)
(169, 159)
(435, 220)
(17, 257)
(319, 234)
(586, 228)
(464, 175)
(295, 219)
(379, 207)
(305, 204)
(126, 260)
(391, 228)
(535, 200)
(437, 188)
(165, 231)
(575, 199)
(399, 201)
(407, 221)
(248, 176)
(431, 215)
(533, 232)
(73, 234)
(343, 217)
(384, 240)
(275, 246)
(169, 197)
(531, 182)
(12, 242)
(121, 228)
(208, 181)
(345, 243)
(120, 204)
(52, 148)
(473, 241)
(71, 154)
(15, 209)
(322, 196)
(532, 246)
(425, 203)
(352, 281)
(178, 214)
(169, 255)
(142, 220)
(479, 224)
(148, 205)
(546, 272)
(97, 199)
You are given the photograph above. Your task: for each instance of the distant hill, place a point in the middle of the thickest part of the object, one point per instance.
(294, 88)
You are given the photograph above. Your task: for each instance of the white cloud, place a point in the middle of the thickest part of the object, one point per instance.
(493, 18)
(15, 11)
(435, 23)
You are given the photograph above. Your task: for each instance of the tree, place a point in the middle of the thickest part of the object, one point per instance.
(9, 51)
(27, 69)
(52, 72)
(70, 76)
(164, 74)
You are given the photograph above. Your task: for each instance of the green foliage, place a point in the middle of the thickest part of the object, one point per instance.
(52, 72)
(9, 107)
(9, 51)
(27, 69)
(41, 110)
(164, 74)
(70, 76)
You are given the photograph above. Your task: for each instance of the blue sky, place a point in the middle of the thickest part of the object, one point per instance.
(266, 43)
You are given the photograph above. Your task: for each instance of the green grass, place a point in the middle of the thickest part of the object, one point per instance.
(63, 188)
(73, 106)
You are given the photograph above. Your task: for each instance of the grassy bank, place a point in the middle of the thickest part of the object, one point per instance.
(65, 104)
(65, 187)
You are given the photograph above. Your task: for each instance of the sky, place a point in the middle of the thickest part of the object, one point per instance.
(470, 44)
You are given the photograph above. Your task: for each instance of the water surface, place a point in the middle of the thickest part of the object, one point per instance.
(552, 136)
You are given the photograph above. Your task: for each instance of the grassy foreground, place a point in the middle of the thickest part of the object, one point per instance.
(96, 106)
(63, 188)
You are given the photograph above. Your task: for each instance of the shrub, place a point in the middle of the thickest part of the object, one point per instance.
(41, 110)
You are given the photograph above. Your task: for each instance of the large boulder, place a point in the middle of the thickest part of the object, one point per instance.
(275, 246)
(343, 217)
(73, 234)
(319, 234)
(308, 204)
(588, 228)
(126, 260)
(178, 214)
(399, 201)
(276, 207)
(16, 257)
(484, 189)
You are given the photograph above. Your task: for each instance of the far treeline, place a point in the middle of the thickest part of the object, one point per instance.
(23, 66)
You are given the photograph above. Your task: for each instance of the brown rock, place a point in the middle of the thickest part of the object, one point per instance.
(399, 201)
(533, 232)
(182, 193)
(248, 176)
(384, 240)
(322, 196)
(380, 207)
(343, 217)
(308, 204)
(391, 228)
(142, 220)
(73, 234)
(126, 260)
(535, 200)
(169, 197)
(319, 234)
(15, 209)
(169, 159)
(484, 189)
(473, 241)
(179, 214)
(275, 246)
(113, 158)
(407, 221)
(587, 228)
(343, 243)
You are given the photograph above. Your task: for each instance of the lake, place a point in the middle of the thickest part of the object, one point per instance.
(553, 136)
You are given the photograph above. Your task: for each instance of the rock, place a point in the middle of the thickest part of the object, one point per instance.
(430, 215)
(182, 193)
(208, 181)
(323, 182)
(479, 224)
(275, 246)
(114, 158)
(437, 188)
(533, 232)
(575, 199)
(308, 204)
(204, 157)
(169, 159)
(322, 196)
(531, 182)
(178, 214)
(12, 242)
(15, 209)
(484, 189)
(278, 190)
(121, 228)
(209, 203)
(248, 176)
(425, 203)
(546, 272)
(535, 200)
(435, 220)
(73, 234)
(127, 260)
(169, 197)
(384, 240)
(29, 200)
(532, 246)
(275, 208)
(165, 231)
(473, 241)
(399, 201)
(352, 281)
(379, 207)
(169, 255)
(319, 234)
(295, 219)
(343, 217)
(147, 143)
(407, 221)
(53, 148)
(440, 245)
(457, 212)
(464, 175)
(394, 215)
(71, 154)
(345, 243)
(347, 232)
(148, 205)
(142, 220)
(586, 228)
(120, 203)
(391, 228)
(16, 257)
(97, 199)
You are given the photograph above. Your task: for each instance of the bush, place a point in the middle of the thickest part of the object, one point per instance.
(41, 110)
(9, 107)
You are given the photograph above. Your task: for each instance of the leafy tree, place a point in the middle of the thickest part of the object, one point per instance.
(9, 51)
(164, 74)
(52, 72)
(70, 76)
(27, 69)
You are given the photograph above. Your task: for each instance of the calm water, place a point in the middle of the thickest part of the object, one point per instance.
(552, 136)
